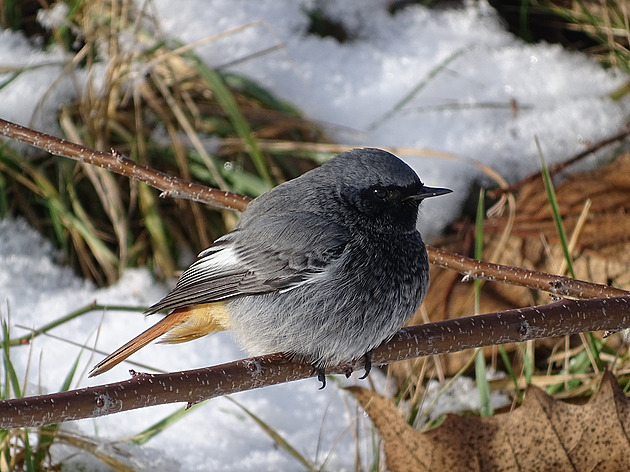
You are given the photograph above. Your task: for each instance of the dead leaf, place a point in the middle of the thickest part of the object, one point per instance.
(543, 434)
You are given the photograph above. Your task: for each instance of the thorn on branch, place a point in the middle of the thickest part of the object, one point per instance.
(254, 366)
(137, 375)
(119, 157)
(99, 401)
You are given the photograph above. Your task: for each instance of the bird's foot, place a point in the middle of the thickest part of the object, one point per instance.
(321, 371)
(321, 376)
(368, 364)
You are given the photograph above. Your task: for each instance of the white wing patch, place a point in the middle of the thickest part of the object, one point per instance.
(223, 260)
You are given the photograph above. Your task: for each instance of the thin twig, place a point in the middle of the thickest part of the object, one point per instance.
(560, 166)
(169, 185)
(533, 279)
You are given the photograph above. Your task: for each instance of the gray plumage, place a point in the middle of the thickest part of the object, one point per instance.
(324, 267)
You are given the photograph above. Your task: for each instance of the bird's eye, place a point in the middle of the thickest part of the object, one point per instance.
(381, 193)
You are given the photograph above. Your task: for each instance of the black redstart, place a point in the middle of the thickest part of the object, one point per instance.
(324, 267)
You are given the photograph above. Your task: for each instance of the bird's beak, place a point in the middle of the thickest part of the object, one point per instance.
(427, 192)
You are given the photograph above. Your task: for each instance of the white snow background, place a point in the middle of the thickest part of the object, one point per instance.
(464, 109)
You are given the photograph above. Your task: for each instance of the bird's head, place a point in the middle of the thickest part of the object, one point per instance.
(380, 188)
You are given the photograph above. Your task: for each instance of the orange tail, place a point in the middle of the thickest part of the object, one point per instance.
(186, 324)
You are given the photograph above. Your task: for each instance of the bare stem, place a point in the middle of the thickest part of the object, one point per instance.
(169, 185)
(533, 279)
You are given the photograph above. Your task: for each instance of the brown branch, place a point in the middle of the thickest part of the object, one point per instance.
(533, 279)
(169, 185)
(142, 390)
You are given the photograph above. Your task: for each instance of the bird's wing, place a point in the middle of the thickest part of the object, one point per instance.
(270, 253)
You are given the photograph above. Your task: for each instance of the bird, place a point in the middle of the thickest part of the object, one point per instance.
(324, 268)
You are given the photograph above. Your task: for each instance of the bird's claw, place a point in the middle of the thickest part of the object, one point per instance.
(368, 364)
(321, 376)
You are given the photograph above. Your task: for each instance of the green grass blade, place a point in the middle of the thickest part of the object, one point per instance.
(10, 79)
(275, 436)
(595, 346)
(15, 72)
(65, 386)
(523, 19)
(510, 371)
(483, 386)
(57, 207)
(11, 379)
(557, 217)
(479, 244)
(228, 104)
(161, 425)
(239, 180)
(445, 387)
(28, 453)
(252, 89)
(527, 352)
(414, 91)
(157, 232)
(580, 364)
(4, 197)
(46, 437)
(46, 434)
(481, 375)
(69, 317)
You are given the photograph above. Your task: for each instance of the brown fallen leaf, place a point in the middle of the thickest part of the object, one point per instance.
(543, 434)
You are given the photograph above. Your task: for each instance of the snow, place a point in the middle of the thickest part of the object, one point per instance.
(34, 83)
(54, 17)
(472, 90)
